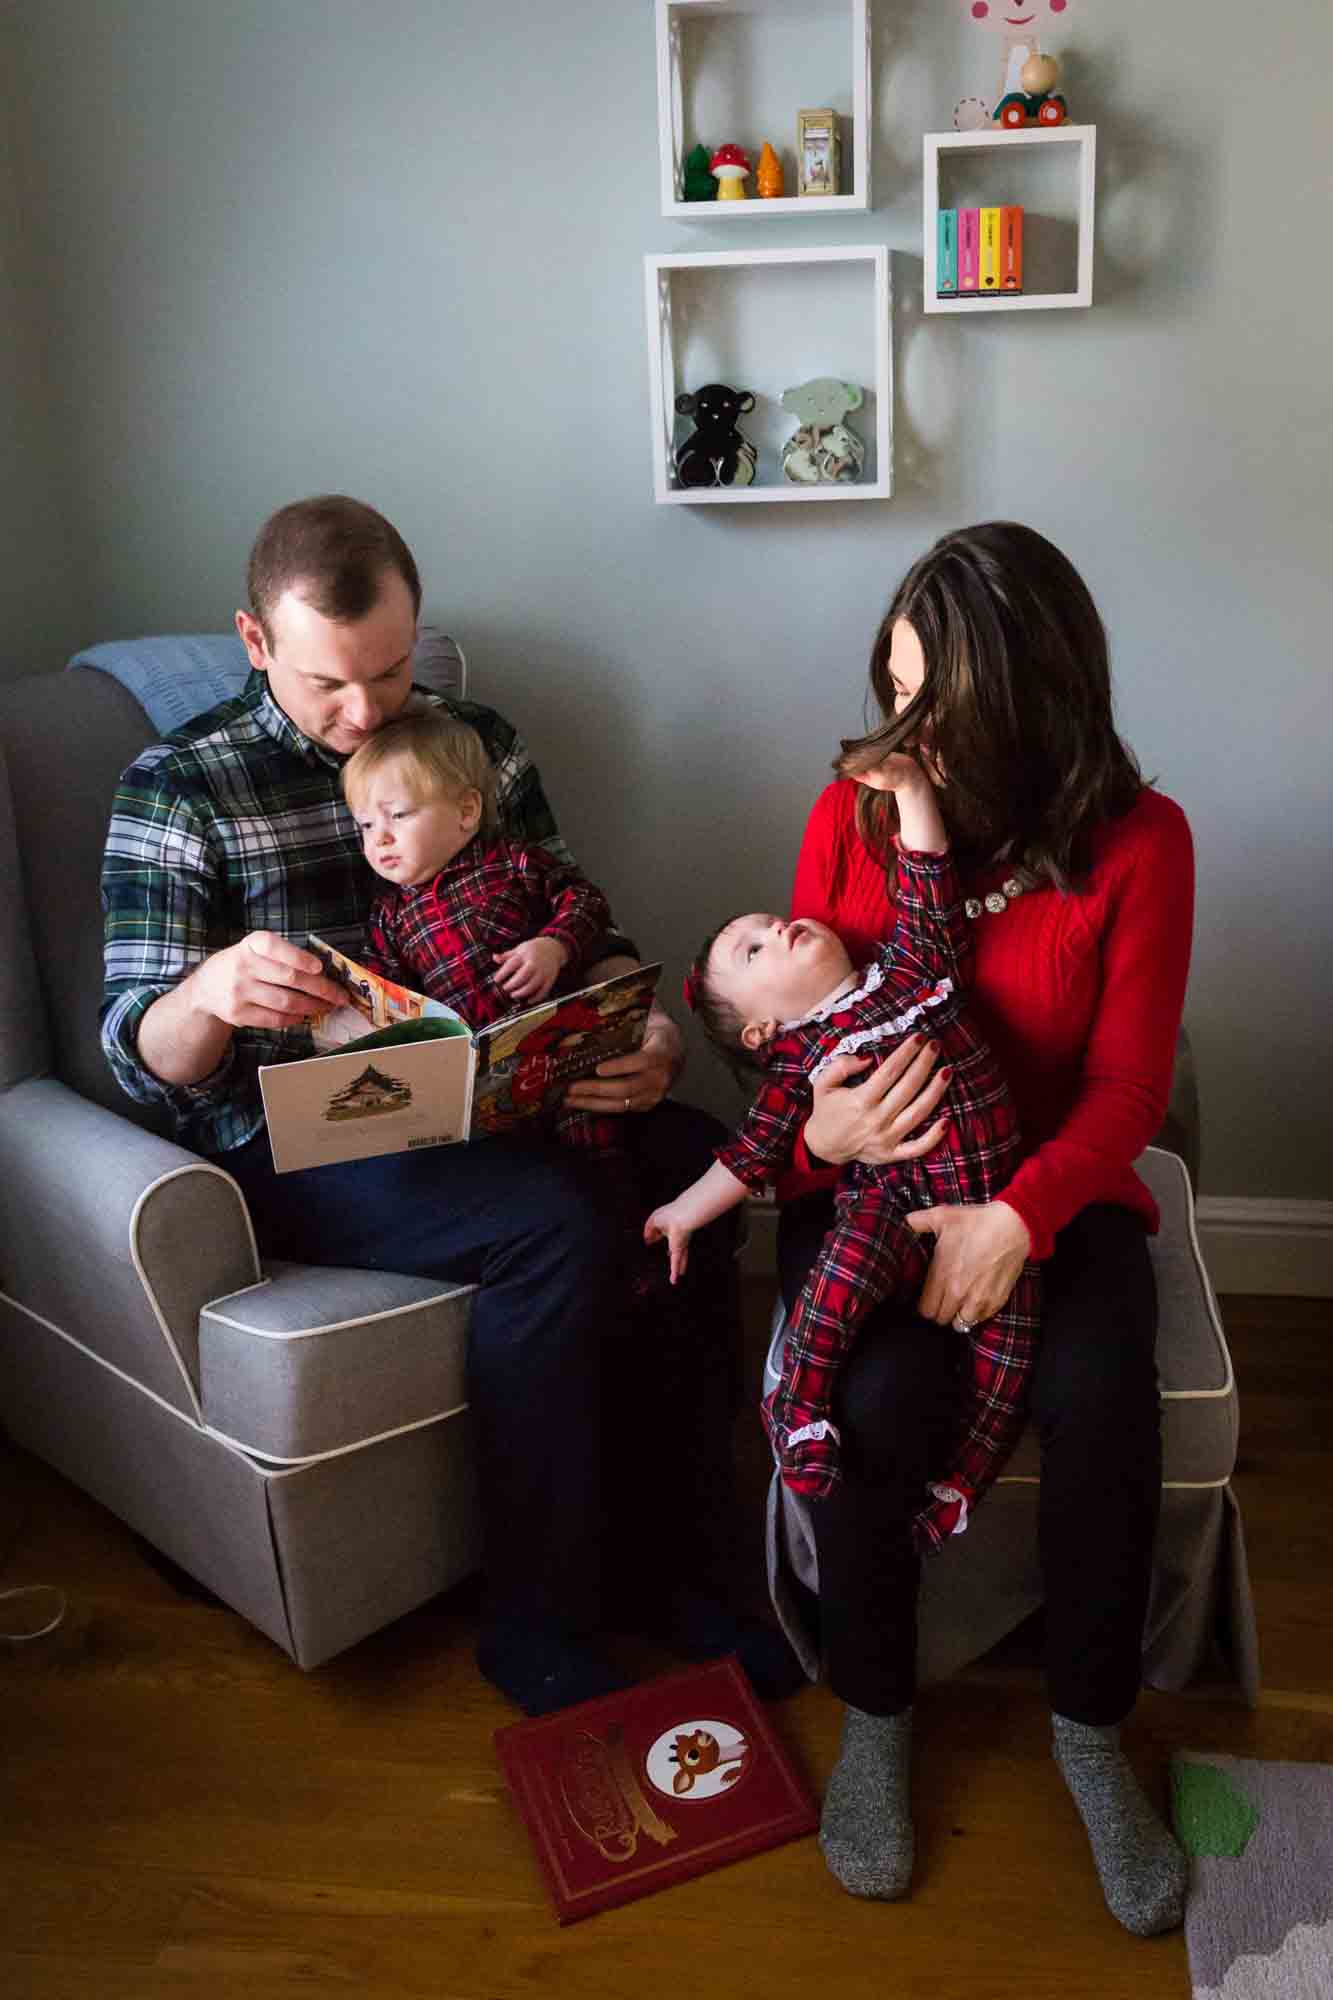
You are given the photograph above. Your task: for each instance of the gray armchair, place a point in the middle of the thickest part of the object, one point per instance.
(295, 1438)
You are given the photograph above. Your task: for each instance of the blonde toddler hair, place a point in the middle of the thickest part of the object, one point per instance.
(443, 756)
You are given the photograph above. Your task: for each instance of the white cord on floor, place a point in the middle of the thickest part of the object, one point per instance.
(54, 1603)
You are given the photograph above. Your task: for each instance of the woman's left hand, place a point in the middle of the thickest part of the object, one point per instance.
(637, 1081)
(979, 1253)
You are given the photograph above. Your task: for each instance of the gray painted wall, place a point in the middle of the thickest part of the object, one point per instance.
(255, 251)
(42, 608)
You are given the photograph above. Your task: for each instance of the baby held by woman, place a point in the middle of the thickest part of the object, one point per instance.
(785, 1000)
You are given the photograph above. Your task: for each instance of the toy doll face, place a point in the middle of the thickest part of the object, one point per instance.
(1011, 17)
(409, 834)
(771, 971)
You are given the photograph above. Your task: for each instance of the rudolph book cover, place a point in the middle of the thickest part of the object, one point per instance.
(422, 1077)
(626, 1795)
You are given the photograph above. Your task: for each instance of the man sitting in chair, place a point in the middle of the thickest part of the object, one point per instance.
(230, 843)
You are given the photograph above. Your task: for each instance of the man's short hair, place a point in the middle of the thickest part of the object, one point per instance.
(333, 551)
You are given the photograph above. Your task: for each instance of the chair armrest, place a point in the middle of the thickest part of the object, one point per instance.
(115, 1237)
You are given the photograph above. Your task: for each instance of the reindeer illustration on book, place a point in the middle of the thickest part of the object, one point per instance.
(1016, 24)
(703, 1758)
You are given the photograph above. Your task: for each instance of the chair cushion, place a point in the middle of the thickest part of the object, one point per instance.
(314, 1361)
(67, 738)
(1197, 1389)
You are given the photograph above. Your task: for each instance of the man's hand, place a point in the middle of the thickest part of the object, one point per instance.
(265, 981)
(637, 1081)
(529, 970)
(979, 1253)
(873, 1123)
(666, 1225)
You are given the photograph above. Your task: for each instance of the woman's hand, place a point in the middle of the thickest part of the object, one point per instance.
(637, 1081)
(920, 823)
(979, 1253)
(874, 1122)
(897, 773)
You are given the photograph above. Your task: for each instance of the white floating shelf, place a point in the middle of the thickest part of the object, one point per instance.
(764, 320)
(676, 77)
(1080, 142)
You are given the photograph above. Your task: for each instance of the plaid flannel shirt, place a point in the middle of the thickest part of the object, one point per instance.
(237, 823)
(440, 937)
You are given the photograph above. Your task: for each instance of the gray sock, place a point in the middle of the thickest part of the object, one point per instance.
(1143, 1873)
(865, 1832)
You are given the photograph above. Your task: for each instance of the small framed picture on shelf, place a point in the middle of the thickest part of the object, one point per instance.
(817, 152)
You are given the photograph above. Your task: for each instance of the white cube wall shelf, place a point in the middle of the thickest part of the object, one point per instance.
(674, 19)
(1080, 142)
(752, 317)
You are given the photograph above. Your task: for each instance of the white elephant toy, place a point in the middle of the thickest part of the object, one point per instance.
(823, 452)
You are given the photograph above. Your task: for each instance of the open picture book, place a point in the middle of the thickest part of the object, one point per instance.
(395, 1070)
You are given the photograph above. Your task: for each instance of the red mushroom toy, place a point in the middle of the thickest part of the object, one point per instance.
(729, 166)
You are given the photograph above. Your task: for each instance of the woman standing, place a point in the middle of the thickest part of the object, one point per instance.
(991, 666)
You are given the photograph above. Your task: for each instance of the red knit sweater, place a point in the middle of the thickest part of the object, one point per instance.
(1080, 996)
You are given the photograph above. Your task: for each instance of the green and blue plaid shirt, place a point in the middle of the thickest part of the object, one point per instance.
(234, 824)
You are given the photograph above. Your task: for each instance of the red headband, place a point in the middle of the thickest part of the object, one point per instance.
(692, 989)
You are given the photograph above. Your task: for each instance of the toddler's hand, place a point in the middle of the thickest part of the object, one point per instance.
(529, 970)
(664, 1225)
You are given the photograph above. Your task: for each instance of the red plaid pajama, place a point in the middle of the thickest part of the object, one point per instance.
(441, 937)
(870, 1254)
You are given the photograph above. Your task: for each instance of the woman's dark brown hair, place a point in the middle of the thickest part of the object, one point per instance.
(1014, 705)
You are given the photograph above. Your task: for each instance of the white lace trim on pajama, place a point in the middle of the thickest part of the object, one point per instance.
(861, 1038)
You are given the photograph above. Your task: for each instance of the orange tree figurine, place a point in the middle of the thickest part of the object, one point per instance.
(768, 174)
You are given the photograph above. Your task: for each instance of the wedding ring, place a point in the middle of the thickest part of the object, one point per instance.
(962, 1325)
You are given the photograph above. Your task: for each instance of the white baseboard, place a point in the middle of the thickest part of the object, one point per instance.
(1280, 1248)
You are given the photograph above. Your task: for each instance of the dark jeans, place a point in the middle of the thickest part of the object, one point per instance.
(599, 1396)
(1094, 1402)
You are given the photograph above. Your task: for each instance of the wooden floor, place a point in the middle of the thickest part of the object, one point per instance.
(182, 1811)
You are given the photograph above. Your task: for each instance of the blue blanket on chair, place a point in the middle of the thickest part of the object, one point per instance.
(173, 679)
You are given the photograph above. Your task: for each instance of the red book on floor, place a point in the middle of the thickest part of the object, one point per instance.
(626, 1795)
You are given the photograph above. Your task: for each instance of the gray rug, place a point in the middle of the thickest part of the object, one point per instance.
(1259, 1920)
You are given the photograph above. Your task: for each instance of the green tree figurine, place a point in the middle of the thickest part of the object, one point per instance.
(698, 184)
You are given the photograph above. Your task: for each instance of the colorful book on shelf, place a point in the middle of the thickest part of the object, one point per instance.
(422, 1077)
(988, 259)
(969, 248)
(1011, 249)
(640, 1790)
(946, 252)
